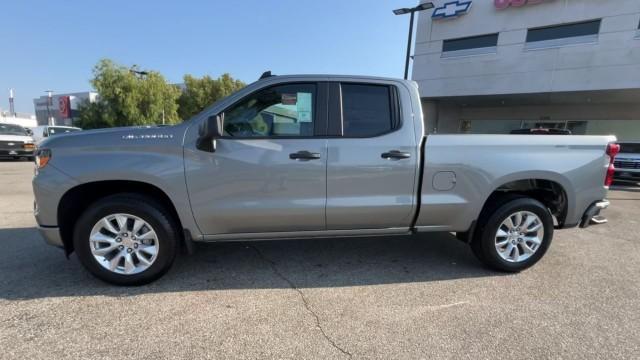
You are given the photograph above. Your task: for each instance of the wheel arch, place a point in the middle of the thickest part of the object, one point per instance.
(550, 192)
(77, 199)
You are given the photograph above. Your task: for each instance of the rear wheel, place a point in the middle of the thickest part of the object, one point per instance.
(514, 235)
(126, 239)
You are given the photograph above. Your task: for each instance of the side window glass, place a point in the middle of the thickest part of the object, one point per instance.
(366, 110)
(279, 111)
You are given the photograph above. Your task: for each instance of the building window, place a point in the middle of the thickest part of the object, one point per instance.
(475, 45)
(562, 35)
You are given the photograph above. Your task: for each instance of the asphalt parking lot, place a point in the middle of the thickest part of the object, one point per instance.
(390, 298)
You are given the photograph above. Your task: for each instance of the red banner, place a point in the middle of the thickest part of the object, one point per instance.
(64, 105)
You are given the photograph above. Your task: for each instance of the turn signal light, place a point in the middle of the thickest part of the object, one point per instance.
(28, 146)
(42, 158)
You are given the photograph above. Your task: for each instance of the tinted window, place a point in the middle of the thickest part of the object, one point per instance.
(366, 110)
(285, 110)
(630, 148)
(564, 31)
(474, 42)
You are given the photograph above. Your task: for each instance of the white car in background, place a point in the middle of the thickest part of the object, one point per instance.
(15, 142)
(627, 163)
(42, 132)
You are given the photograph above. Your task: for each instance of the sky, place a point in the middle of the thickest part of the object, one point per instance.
(55, 44)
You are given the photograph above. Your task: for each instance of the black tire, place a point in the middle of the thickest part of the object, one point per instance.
(484, 242)
(143, 207)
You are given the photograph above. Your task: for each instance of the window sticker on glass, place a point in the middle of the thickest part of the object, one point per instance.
(289, 99)
(304, 107)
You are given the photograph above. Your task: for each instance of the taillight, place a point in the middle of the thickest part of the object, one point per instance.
(612, 151)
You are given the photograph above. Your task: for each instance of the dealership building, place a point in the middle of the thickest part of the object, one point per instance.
(61, 109)
(493, 66)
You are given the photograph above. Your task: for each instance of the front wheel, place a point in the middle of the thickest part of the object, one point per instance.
(126, 239)
(514, 236)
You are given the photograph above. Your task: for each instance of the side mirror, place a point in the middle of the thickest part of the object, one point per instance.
(209, 131)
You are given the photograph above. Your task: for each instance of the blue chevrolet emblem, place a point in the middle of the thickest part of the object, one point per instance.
(452, 9)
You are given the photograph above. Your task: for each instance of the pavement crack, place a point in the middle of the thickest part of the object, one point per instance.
(307, 306)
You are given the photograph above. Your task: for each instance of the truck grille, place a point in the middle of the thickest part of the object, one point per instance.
(16, 145)
(626, 164)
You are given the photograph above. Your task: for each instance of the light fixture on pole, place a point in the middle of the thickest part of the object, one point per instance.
(412, 11)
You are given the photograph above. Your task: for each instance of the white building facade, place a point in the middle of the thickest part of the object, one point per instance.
(61, 109)
(493, 66)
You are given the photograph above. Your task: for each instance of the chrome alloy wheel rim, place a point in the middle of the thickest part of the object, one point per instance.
(519, 236)
(124, 244)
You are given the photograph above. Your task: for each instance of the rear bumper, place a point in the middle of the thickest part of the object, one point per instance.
(592, 215)
(52, 236)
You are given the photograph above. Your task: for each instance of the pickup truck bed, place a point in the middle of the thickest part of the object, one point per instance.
(310, 156)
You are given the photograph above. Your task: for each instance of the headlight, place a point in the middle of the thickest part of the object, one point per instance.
(28, 146)
(42, 158)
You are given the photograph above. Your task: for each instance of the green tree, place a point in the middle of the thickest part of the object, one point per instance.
(127, 98)
(202, 92)
(94, 115)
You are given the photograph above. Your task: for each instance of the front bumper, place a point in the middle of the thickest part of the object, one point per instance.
(16, 152)
(592, 215)
(622, 174)
(51, 235)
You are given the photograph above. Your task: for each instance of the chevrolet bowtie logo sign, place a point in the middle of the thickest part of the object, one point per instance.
(452, 9)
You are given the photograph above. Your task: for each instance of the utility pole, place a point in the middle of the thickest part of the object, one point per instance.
(12, 110)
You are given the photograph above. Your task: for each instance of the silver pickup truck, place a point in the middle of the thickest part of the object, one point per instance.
(311, 157)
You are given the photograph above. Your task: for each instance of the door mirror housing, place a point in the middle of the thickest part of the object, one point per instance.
(209, 131)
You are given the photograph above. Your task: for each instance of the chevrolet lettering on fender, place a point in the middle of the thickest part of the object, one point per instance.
(311, 156)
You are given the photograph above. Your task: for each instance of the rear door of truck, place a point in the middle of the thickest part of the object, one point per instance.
(372, 157)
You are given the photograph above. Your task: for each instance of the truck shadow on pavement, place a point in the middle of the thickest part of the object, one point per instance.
(32, 270)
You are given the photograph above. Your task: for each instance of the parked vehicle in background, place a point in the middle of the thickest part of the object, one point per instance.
(44, 131)
(15, 142)
(627, 163)
(311, 157)
(541, 131)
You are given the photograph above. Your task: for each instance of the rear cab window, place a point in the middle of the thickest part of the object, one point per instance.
(368, 110)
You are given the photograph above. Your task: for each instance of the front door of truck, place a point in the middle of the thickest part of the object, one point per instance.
(268, 172)
(373, 161)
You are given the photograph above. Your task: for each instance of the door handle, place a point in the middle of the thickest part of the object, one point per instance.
(395, 155)
(304, 155)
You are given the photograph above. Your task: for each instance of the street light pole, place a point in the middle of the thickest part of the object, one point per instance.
(406, 63)
(49, 104)
(412, 11)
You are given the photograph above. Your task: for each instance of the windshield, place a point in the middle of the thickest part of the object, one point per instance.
(9, 129)
(627, 148)
(53, 130)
